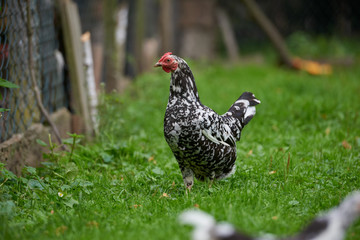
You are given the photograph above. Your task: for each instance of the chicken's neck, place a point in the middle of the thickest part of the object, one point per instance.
(183, 85)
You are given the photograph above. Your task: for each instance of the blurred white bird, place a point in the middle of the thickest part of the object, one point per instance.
(331, 225)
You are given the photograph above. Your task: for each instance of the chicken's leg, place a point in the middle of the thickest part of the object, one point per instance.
(188, 177)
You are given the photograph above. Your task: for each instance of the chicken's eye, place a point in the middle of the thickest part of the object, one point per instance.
(168, 60)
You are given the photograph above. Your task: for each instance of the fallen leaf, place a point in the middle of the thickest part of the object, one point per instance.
(92, 224)
(122, 178)
(196, 205)
(165, 195)
(346, 145)
(327, 131)
(173, 184)
(312, 67)
(137, 205)
(151, 159)
(249, 153)
(52, 212)
(60, 230)
(272, 172)
(274, 218)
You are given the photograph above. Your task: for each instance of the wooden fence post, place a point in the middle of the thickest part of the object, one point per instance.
(90, 80)
(166, 26)
(227, 34)
(115, 25)
(74, 55)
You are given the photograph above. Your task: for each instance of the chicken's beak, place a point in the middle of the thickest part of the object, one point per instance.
(158, 64)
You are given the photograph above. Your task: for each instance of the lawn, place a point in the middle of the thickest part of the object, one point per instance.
(297, 157)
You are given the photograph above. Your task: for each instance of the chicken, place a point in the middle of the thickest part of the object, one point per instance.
(203, 142)
(329, 226)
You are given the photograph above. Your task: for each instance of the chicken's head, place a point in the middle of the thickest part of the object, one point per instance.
(167, 62)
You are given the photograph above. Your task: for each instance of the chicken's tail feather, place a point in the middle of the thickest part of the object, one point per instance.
(244, 108)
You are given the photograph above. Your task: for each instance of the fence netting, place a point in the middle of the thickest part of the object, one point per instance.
(14, 64)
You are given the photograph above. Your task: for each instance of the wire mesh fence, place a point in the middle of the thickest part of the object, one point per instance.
(15, 67)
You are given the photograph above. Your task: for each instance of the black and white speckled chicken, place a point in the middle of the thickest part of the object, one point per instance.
(203, 142)
(328, 226)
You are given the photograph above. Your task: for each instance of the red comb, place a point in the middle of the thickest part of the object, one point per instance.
(166, 54)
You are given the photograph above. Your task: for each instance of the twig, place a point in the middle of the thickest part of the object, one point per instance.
(288, 164)
(286, 172)
(32, 74)
(4, 182)
(271, 160)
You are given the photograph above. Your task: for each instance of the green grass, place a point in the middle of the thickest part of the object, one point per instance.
(323, 47)
(113, 188)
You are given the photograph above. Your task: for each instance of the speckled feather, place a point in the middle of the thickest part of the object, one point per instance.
(203, 142)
